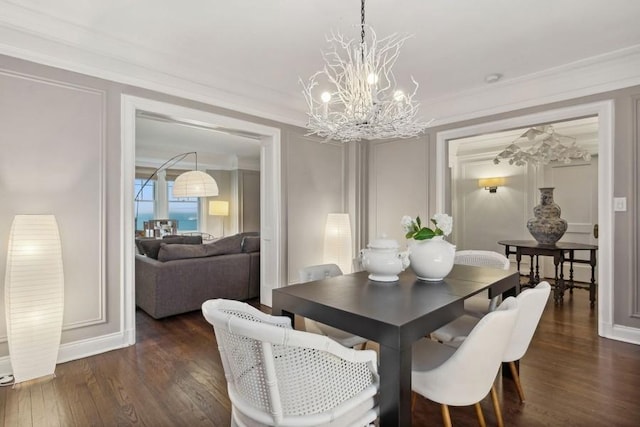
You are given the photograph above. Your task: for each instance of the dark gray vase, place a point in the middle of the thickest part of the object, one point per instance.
(547, 227)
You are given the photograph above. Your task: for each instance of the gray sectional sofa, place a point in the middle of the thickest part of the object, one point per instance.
(178, 275)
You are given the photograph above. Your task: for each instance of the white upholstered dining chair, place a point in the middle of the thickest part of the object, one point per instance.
(277, 376)
(531, 303)
(479, 305)
(319, 272)
(465, 375)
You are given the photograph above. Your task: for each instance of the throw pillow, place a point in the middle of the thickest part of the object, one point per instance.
(152, 246)
(251, 244)
(180, 251)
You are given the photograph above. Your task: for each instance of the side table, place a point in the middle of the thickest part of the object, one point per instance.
(561, 252)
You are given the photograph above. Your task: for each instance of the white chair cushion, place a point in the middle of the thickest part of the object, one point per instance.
(455, 330)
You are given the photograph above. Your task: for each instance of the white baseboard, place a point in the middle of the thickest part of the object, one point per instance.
(79, 349)
(619, 333)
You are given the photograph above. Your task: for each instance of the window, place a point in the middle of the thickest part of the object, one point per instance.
(183, 209)
(146, 202)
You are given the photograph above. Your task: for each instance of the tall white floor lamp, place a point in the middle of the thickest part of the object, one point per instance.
(34, 296)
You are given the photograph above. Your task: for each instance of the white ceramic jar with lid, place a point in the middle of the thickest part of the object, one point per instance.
(383, 260)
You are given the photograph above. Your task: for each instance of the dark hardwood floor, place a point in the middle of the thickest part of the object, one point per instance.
(173, 377)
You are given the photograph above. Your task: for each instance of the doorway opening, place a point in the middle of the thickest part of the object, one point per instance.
(272, 259)
(482, 217)
(603, 111)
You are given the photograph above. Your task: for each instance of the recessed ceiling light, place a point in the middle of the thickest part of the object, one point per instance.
(492, 78)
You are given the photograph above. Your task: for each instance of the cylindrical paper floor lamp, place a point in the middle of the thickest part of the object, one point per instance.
(34, 296)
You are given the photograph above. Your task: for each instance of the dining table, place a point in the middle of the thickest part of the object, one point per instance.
(394, 315)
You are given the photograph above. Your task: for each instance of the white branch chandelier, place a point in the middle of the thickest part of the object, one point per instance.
(364, 102)
(541, 145)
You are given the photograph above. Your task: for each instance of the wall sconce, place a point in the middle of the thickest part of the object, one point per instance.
(337, 241)
(34, 296)
(219, 208)
(491, 184)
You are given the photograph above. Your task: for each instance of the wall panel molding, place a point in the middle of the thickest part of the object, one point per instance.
(65, 144)
(398, 185)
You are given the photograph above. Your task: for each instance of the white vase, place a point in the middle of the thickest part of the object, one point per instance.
(431, 259)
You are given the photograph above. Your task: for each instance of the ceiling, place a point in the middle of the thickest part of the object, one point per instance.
(249, 54)
(159, 138)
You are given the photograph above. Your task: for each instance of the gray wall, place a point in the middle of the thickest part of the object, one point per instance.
(315, 187)
(60, 144)
(249, 200)
(406, 195)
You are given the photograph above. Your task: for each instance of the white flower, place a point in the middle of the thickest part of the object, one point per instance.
(407, 223)
(444, 222)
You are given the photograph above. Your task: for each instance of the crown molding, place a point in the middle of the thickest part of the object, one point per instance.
(36, 37)
(611, 71)
(30, 35)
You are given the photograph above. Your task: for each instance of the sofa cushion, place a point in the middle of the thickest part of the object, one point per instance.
(151, 247)
(251, 244)
(180, 251)
(226, 245)
(139, 247)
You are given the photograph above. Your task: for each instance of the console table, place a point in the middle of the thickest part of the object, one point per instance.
(561, 252)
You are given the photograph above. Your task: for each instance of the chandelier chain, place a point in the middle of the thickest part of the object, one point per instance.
(362, 29)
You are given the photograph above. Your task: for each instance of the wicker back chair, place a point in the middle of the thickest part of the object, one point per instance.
(277, 376)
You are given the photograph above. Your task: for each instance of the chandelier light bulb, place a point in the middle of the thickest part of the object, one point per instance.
(326, 97)
(398, 96)
(372, 79)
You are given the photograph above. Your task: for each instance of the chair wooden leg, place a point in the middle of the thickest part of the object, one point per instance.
(480, 415)
(496, 406)
(516, 379)
(414, 395)
(446, 417)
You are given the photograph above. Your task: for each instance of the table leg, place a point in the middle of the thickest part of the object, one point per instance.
(558, 294)
(592, 285)
(571, 272)
(276, 310)
(537, 278)
(531, 275)
(395, 387)
(518, 259)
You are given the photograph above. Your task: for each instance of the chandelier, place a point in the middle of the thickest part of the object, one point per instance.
(541, 145)
(364, 102)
